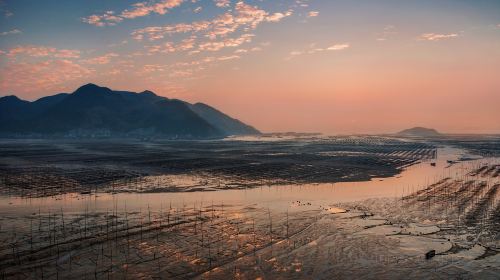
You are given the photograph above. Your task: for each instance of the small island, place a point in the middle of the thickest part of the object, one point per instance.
(419, 132)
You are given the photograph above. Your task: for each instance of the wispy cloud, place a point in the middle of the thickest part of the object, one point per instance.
(29, 68)
(228, 57)
(389, 31)
(42, 51)
(222, 3)
(436, 36)
(139, 9)
(313, 14)
(244, 17)
(302, 3)
(229, 42)
(13, 31)
(170, 47)
(145, 8)
(107, 18)
(47, 75)
(313, 49)
(276, 17)
(103, 59)
(338, 47)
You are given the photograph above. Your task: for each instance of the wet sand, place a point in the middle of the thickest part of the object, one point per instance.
(376, 229)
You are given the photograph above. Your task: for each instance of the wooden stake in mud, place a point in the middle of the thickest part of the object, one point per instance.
(270, 225)
(287, 224)
(254, 237)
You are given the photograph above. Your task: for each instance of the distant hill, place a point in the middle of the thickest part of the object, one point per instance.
(94, 111)
(419, 131)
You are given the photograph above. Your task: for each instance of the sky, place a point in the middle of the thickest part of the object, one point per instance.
(330, 66)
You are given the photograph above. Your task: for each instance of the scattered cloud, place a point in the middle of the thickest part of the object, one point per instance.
(170, 47)
(103, 59)
(151, 68)
(181, 73)
(436, 37)
(139, 9)
(46, 75)
(276, 17)
(313, 49)
(254, 49)
(123, 42)
(222, 3)
(313, 14)
(42, 51)
(302, 3)
(338, 47)
(107, 18)
(244, 17)
(13, 31)
(389, 31)
(229, 57)
(228, 42)
(143, 8)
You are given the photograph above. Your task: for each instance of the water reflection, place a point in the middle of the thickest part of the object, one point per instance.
(275, 197)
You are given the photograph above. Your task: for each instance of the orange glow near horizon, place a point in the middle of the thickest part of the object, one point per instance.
(323, 66)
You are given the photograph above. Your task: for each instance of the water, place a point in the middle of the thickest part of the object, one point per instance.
(273, 197)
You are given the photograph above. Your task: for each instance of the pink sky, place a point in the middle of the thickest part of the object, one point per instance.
(316, 66)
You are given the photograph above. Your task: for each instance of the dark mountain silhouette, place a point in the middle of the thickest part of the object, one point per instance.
(419, 131)
(99, 111)
(221, 120)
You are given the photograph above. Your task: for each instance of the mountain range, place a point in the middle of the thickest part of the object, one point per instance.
(95, 111)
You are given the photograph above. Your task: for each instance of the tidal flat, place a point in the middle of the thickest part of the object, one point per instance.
(319, 207)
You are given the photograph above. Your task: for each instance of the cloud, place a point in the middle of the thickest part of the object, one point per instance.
(170, 47)
(47, 75)
(107, 18)
(313, 14)
(222, 3)
(313, 49)
(302, 3)
(338, 47)
(151, 68)
(42, 51)
(144, 8)
(139, 9)
(230, 57)
(389, 31)
(13, 31)
(103, 59)
(244, 17)
(228, 42)
(275, 17)
(181, 73)
(436, 37)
